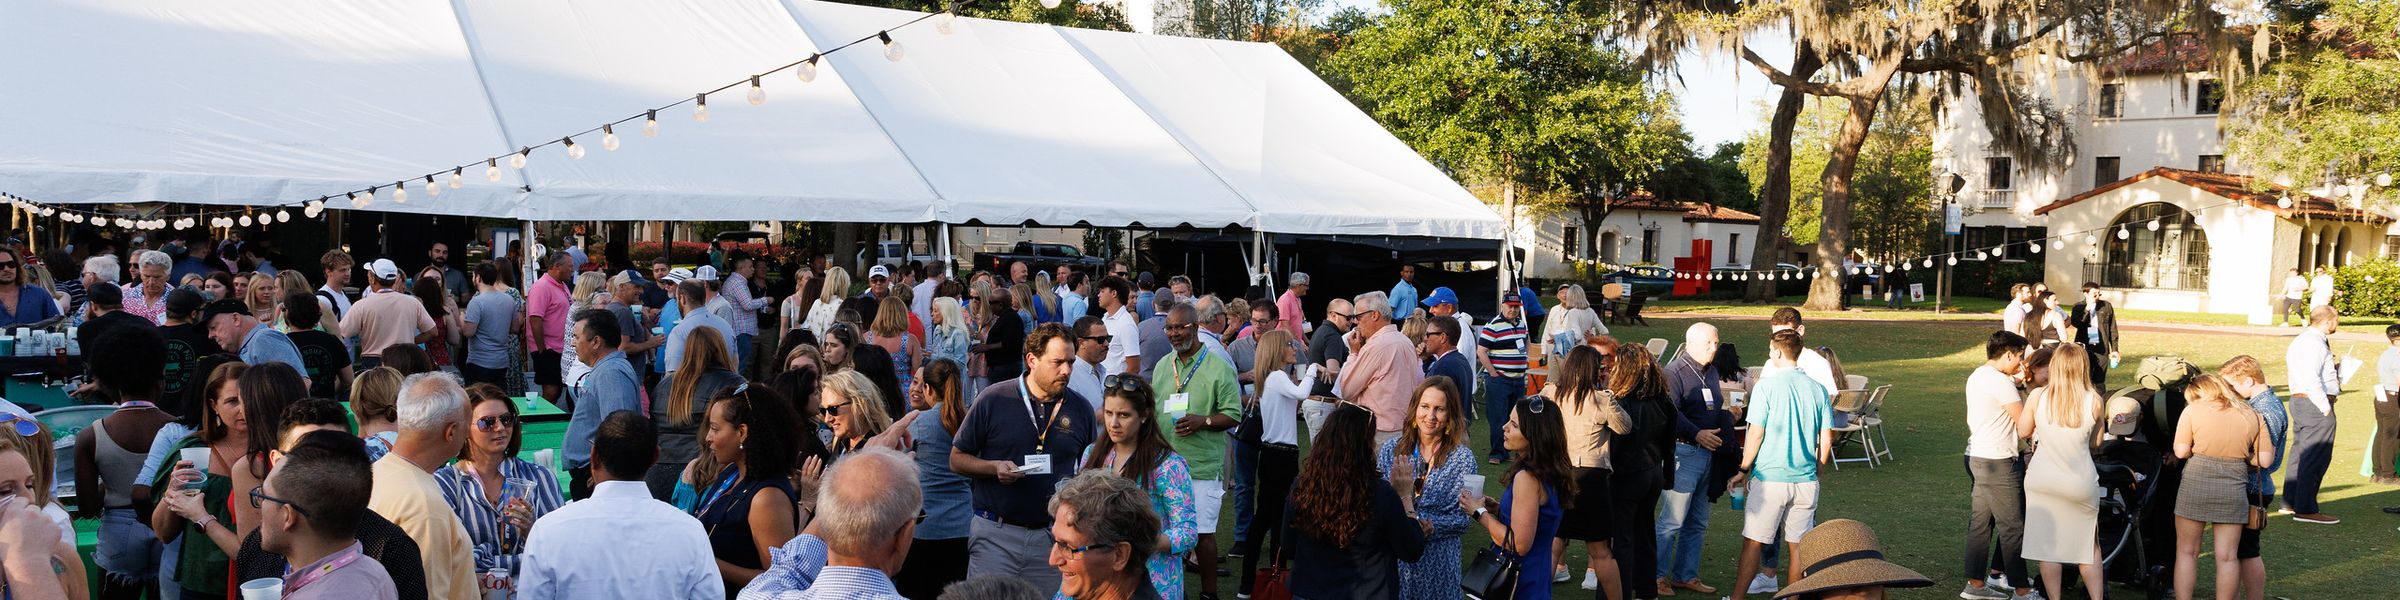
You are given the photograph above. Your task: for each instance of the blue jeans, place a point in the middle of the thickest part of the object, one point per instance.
(742, 347)
(127, 552)
(1243, 482)
(1500, 395)
(168, 556)
(1683, 515)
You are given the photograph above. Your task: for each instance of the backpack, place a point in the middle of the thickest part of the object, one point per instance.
(2158, 384)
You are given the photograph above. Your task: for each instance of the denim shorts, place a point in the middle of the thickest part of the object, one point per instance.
(127, 550)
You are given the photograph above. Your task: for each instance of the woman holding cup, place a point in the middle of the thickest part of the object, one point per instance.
(495, 494)
(1429, 464)
(194, 496)
(1540, 484)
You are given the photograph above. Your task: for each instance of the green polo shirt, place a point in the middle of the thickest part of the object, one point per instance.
(1215, 390)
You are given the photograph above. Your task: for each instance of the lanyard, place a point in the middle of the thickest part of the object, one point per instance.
(295, 581)
(1183, 376)
(715, 493)
(1041, 441)
(135, 405)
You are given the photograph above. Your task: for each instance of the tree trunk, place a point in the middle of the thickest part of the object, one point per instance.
(845, 246)
(1775, 197)
(1833, 238)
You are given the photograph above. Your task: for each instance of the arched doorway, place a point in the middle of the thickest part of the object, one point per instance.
(2175, 256)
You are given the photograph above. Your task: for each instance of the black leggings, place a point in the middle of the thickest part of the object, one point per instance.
(1633, 511)
(1277, 467)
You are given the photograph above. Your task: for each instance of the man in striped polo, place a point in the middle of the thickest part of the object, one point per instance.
(1500, 346)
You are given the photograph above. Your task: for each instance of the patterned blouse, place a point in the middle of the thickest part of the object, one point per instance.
(1434, 575)
(1170, 495)
(496, 545)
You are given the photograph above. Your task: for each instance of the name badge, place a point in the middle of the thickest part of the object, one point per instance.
(1035, 464)
(1708, 396)
(1179, 405)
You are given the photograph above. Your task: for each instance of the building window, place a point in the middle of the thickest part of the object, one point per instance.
(2173, 257)
(1568, 247)
(1608, 246)
(1650, 246)
(1998, 173)
(2209, 96)
(2104, 170)
(2212, 163)
(1733, 248)
(2391, 246)
(2112, 100)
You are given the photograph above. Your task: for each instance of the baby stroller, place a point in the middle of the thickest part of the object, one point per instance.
(2129, 472)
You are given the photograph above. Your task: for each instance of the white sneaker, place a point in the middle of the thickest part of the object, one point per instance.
(1562, 575)
(1997, 582)
(2028, 595)
(1764, 584)
(1591, 579)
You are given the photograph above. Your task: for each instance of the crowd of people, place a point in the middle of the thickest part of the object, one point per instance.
(1032, 434)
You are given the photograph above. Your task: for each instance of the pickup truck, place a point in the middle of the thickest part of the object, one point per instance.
(1039, 257)
(895, 254)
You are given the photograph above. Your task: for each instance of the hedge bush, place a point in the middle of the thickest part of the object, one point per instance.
(2369, 289)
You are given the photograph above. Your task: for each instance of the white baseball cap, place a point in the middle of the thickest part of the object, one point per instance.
(705, 273)
(678, 275)
(878, 271)
(384, 270)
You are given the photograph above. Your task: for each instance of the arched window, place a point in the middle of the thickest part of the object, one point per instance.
(2173, 257)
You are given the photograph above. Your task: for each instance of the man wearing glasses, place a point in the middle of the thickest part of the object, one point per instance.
(20, 303)
(1092, 343)
(1201, 396)
(309, 511)
(1383, 370)
(1325, 348)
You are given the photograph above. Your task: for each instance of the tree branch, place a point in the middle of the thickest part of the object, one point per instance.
(1786, 80)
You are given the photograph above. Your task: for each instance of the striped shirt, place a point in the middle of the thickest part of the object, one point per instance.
(793, 570)
(482, 518)
(1503, 342)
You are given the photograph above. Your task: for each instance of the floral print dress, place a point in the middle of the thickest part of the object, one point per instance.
(1434, 575)
(1171, 496)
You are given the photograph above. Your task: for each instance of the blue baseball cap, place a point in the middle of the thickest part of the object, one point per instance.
(1440, 296)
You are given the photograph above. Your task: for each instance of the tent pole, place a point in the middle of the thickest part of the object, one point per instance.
(1258, 259)
(945, 251)
(528, 270)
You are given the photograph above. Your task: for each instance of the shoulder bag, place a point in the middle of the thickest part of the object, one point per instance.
(1493, 573)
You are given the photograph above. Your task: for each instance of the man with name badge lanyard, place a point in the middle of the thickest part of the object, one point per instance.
(1203, 399)
(1015, 460)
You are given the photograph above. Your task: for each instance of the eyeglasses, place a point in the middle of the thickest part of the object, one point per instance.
(26, 426)
(8, 264)
(1126, 382)
(259, 494)
(1174, 327)
(494, 423)
(1078, 550)
(1349, 315)
(832, 410)
(1099, 338)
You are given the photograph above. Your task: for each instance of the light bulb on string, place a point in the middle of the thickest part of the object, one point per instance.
(807, 71)
(892, 50)
(517, 161)
(2154, 224)
(2058, 243)
(2285, 201)
(2036, 247)
(2091, 240)
(1908, 266)
(573, 151)
(758, 94)
(399, 195)
(1049, 3)
(945, 22)
(283, 216)
(491, 169)
(650, 125)
(432, 188)
(2384, 180)
(608, 138)
(1953, 261)
(700, 111)
(1979, 255)
(2122, 233)
(245, 221)
(457, 177)
(1929, 262)
(180, 226)
(363, 199)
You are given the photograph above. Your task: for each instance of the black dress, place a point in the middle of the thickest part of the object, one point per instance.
(1369, 567)
(726, 516)
(1640, 460)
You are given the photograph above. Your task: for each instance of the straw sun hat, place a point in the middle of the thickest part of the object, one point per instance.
(1842, 554)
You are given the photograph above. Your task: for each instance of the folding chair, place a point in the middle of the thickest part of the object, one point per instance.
(1657, 347)
(1853, 432)
(1854, 382)
(1880, 445)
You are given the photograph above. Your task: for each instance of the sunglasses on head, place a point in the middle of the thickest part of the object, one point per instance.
(1126, 382)
(25, 426)
(491, 423)
(1535, 404)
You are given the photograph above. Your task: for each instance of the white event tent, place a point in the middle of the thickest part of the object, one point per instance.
(268, 102)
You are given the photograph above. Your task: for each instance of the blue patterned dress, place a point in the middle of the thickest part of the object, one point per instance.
(1435, 575)
(1179, 515)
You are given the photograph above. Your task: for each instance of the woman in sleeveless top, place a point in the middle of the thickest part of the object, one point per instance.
(890, 330)
(2221, 440)
(750, 508)
(110, 452)
(1527, 517)
(2062, 488)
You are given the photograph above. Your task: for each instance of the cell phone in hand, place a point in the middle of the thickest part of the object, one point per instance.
(1491, 504)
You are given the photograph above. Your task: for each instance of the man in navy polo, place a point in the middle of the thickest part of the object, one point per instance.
(1019, 439)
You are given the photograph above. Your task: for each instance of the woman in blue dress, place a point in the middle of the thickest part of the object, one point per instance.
(1526, 519)
(1428, 465)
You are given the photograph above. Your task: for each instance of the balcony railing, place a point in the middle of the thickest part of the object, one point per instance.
(2000, 199)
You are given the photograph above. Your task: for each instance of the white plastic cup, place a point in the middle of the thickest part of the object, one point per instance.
(264, 588)
(1474, 481)
(199, 459)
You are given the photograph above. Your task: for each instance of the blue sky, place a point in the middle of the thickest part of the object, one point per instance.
(1720, 97)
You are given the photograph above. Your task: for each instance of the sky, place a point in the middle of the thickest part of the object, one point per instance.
(1721, 98)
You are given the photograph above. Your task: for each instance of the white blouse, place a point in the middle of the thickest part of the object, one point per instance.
(1279, 405)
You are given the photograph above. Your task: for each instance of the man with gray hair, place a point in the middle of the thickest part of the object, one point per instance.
(1288, 306)
(1153, 333)
(1383, 369)
(96, 270)
(867, 505)
(433, 428)
(1106, 531)
(1326, 350)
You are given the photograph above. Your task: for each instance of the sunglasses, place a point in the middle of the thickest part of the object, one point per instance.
(1347, 315)
(26, 426)
(495, 423)
(259, 495)
(1535, 405)
(8, 264)
(1126, 382)
(832, 410)
(1099, 338)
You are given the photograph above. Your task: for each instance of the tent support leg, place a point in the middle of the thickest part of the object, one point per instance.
(528, 269)
(945, 248)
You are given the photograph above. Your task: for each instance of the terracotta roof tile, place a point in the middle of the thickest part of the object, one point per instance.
(2234, 187)
(1694, 211)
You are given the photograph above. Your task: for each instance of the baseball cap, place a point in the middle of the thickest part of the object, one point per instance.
(628, 277)
(878, 271)
(705, 273)
(227, 306)
(678, 275)
(1441, 296)
(184, 300)
(105, 294)
(384, 269)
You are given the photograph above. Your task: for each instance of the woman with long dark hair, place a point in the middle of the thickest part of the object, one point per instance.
(679, 406)
(1638, 466)
(1540, 483)
(876, 364)
(446, 318)
(750, 508)
(938, 556)
(1136, 448)
(1593, 419)
(1350, 530)
(1428, 465)
(195, 504)
(266, 389)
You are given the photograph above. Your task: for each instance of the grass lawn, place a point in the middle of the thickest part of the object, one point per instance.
(1918, 502)
(1972, 309)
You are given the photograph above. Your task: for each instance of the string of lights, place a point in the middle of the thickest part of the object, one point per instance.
(432, 183)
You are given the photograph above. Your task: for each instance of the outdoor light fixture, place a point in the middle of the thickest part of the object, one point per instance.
(283, 216)
(432, 188)
(1049, 3)
(758, 94)
(573, 151)
(2122, 233)
(700, 111)
(399, 195)
(608, 138)
(517, 161)
(491, 169)
(807, 71)
(2154, 224)
(945, 22)
(456, 175)
(891, 49)
(650, 125)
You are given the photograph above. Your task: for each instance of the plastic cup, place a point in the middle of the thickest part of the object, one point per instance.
(1474, 481)
(265, 588)
(199, 459)
(513, 488)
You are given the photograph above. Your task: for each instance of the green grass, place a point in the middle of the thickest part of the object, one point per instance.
(1955, 309)
(1918, 502)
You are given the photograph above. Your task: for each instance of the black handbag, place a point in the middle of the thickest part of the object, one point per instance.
(1493, 573)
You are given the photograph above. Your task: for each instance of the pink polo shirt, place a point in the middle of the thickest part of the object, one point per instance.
(1381, 376)
(549, 301)
(1288, 308)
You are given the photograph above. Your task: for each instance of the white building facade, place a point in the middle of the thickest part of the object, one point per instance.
(1639, 233)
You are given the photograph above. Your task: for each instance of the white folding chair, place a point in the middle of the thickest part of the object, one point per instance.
(1657, 346)
(1848, 405)
(1854, 382)
(1880, 444)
